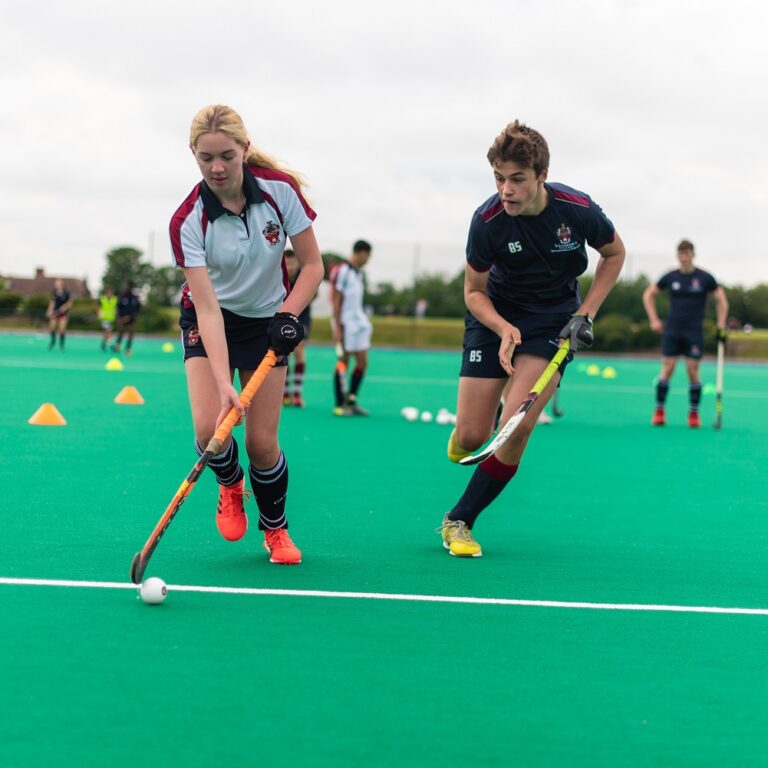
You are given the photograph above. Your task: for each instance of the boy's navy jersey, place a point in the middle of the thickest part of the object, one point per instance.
(128, 305)
(59, 299)
(534, 260)
(687, 297)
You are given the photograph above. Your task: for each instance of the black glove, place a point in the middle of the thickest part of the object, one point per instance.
(722, 334)
(285, 333)
(579, 331)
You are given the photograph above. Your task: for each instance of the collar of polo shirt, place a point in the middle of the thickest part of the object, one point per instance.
(213, 206)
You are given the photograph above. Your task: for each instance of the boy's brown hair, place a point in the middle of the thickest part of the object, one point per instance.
(520, 144)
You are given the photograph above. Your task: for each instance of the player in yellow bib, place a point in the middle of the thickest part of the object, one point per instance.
(107, 315)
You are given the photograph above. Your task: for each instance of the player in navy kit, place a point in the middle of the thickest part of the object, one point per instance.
(128, 306)
(683, 332)
(228, 236)
(294, 379)
(526, 249)
(58, 312)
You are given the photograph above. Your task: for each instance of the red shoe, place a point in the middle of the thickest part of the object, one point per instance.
(297, 401)
(658, 419)
(693, 420)
(231, 519)
(280, 547)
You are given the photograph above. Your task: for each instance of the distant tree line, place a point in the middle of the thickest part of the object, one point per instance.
(622, 321)
(445, 298)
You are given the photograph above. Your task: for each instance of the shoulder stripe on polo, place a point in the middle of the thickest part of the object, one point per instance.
(569, 197)
(270, 174)
(271, 201)
(177, 221)
(492, 211)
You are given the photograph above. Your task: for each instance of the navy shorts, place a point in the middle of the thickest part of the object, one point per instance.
(676, 342)
(247, 340)
(305, 318)
(540, 338)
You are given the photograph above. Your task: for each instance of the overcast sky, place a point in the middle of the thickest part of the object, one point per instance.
(657, 109)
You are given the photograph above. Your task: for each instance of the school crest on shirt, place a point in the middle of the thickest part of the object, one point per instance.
(565, 241)
(271, 232)
(695, 284)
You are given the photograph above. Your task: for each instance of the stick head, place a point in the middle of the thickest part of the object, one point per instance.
(137, 568)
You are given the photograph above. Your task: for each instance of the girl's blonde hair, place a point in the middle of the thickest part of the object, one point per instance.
(223, 119)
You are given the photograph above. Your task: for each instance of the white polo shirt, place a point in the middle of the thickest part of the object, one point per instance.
(350, 283)
(243, 254)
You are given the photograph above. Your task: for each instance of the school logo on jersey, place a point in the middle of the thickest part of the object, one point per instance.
(271, 232)
(565, 241)
(695, 284)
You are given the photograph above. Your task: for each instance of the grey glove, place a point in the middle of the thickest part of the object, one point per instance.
(578, 331)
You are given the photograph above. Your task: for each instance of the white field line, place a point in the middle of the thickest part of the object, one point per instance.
(396, 597)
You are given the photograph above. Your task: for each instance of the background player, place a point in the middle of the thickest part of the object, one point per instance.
(58, 312)
(228, 236)
(107, 315)
(128, 306)
(351, 328)
(683, 332)
(526, 248)
(294, 379)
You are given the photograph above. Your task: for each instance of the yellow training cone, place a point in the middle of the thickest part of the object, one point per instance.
(129, 396)
(114, 365)
(593, 370)
(167, 347)
(47, 415)
(609, 373)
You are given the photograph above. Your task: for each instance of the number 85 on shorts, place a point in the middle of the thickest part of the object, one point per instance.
(482, 363)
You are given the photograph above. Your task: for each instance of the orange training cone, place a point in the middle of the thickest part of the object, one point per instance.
(129, 396)
(47, 415)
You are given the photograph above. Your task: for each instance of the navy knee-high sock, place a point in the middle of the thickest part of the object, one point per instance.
(357, 380)
(694, 394)
(487, 482)
(225, 465)
(662, 390)
(270, 487)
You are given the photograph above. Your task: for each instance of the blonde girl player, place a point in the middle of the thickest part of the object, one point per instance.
(228, 236)
(527, 245)
(58, 312)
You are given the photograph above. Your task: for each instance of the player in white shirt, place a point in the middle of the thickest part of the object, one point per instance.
(351, 328)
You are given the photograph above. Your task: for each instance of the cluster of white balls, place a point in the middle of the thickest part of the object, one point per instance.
(444, 416)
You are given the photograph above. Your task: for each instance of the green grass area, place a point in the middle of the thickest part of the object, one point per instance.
(605, 509)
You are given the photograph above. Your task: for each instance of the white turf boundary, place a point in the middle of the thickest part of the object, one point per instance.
(396, 597)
